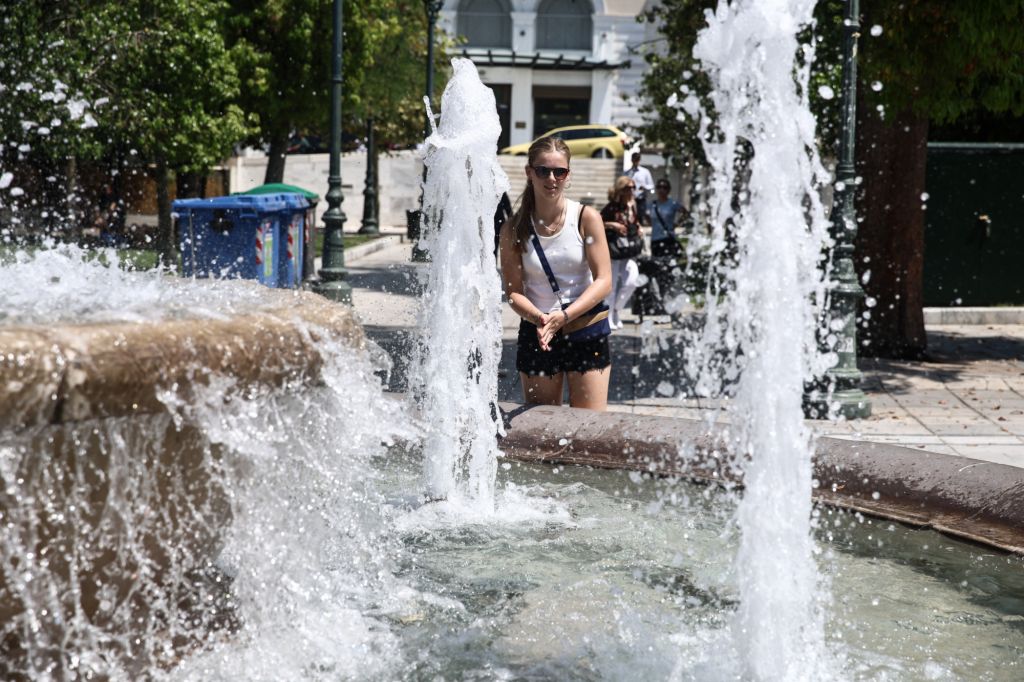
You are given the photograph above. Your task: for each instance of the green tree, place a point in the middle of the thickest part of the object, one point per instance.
(174, 86)
(673, 74)
(936, 63)
(284, 48)
(147, 81)
(928, 61)
(48, 115)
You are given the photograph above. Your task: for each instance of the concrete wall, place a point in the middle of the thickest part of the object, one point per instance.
(398, 177)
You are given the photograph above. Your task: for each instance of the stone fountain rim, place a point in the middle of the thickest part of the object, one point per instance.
(968, 499)
(92, 370)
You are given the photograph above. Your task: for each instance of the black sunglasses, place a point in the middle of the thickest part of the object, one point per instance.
(544, 171)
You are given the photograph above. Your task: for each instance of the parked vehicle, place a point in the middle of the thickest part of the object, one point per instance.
(599, 141)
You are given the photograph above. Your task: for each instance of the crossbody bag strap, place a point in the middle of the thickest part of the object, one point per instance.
(661, 220)
(547, 267)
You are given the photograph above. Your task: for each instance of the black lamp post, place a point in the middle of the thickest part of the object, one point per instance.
(371, 224)
(332, 283)
(843, 380)
(433, 8)
(415, 221)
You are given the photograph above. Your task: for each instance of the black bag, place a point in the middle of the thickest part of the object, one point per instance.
(622, 247)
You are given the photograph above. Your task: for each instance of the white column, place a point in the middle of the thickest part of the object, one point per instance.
(524, 34)
(522, 106)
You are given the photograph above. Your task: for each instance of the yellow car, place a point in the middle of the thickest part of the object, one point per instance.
(599, 141)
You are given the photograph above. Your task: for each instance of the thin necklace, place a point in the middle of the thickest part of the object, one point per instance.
(550, 231)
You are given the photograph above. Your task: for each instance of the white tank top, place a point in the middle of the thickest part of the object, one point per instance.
(565, 254)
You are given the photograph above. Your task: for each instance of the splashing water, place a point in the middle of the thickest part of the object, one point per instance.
(237, 535)
(768, 233)
(461, 315)
(64, 283)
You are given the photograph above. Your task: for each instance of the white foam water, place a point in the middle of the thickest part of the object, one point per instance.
(767, 235)
(308, 551)
(237, 535)
(64, 283)
(457, 362)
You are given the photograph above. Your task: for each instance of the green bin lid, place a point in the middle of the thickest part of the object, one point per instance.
(280, 187)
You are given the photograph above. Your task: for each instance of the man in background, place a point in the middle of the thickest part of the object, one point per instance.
(644, 186)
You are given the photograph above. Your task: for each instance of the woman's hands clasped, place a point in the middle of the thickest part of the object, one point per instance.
(550, 324)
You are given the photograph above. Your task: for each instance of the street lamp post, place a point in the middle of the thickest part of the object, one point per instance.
(433, 8)
(844, 378)
(416, 222)
(371, 224)
(332, 283)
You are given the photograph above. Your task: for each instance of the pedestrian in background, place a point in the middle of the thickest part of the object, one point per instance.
(644, 185)
(625, 242)
(665, 213)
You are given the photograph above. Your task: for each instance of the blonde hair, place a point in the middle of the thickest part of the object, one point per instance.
(618, 187)
(526, 202)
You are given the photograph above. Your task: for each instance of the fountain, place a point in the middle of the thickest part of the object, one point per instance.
(773, 294)
(205, 480)
(457, 362)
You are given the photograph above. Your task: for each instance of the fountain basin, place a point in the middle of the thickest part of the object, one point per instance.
(970, 499)
(115, 506)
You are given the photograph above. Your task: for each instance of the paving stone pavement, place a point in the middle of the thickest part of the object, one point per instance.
(965, 398)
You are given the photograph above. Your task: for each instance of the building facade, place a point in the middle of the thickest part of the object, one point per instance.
(552, 63)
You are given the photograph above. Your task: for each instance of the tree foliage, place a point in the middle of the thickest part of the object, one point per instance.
(174, 85)
(673, 74)
(921, 62)
(944, 61)
(285, 50)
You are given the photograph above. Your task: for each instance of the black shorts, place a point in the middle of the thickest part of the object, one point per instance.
(564, 356)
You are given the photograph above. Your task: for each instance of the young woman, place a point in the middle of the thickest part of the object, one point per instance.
(572, 238)
(625, 239)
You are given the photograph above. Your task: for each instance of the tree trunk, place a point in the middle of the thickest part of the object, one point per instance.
(77, 214)
(167, 246)
(890, 238)
(276, 158)
(191, 186)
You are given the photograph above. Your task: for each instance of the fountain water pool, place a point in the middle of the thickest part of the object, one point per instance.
(318, 565)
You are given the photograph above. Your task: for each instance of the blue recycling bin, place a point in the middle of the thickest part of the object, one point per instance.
(309, 221)
(233, 237)
(293, 239)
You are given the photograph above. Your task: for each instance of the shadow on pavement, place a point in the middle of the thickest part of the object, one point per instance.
(398, 280)
(951, 356)
(959, 348)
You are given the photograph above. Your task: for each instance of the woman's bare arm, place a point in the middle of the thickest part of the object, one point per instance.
(512, 277)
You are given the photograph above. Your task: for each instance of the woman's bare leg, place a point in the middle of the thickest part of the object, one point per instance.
(590, 389)
(542, 390)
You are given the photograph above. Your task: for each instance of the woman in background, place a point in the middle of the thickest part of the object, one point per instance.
(625, 241)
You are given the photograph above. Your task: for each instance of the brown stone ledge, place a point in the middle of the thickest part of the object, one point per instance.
(971, 499)
(92, 371)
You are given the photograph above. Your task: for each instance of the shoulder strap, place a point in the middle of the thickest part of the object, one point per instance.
(660, 219)
(544, 264)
